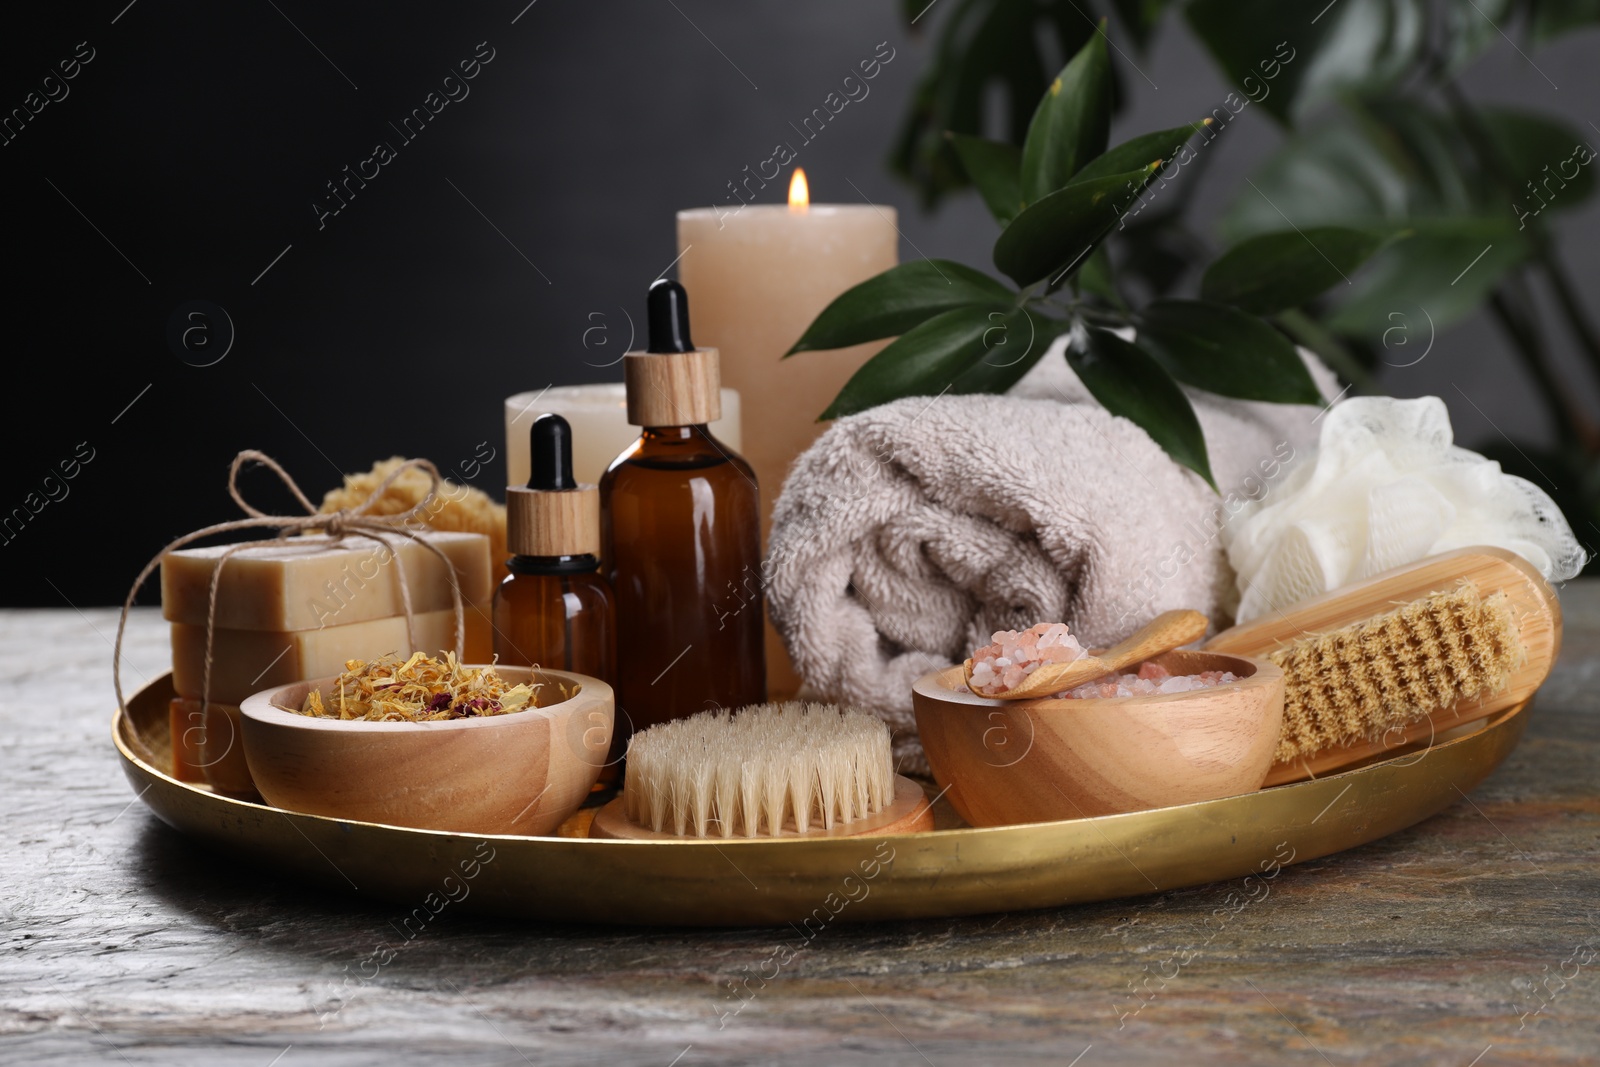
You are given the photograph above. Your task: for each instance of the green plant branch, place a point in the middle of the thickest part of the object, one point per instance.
(1511, 305)
(1312, 334)
(1483, 146)
(1056, 198)
(1099, 316)
(1567, 297)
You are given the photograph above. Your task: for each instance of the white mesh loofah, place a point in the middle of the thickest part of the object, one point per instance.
(1386, 487)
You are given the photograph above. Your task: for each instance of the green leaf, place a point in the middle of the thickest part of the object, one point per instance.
(1251, 39)
(1140, 152)
(1290, 60)
(1277, 271)
(1552, 18)
(1058, 233)
(1129, 382)
(1372, 46)
(1330, 175)
(1393, 167)
(927, 359)
(996, 169)
(1432, 279)
(1548, 155)
(1225, 351)
(1072, 123)
(1383, 161)
(901, 297)
(984, 52)
(1012, 353)
(1469, 29)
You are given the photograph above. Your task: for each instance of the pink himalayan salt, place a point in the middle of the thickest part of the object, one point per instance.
(1016, 654)
(1151, 679)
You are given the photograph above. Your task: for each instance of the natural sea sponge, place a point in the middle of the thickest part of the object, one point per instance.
(456, 508)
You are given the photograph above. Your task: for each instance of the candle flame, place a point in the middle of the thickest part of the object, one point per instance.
(799, 191)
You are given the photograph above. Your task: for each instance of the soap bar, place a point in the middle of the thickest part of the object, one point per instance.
(249, 661)
(212, 744)
(186, 756)
(306, 583)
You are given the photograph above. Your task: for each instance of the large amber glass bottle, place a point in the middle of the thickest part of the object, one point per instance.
(681, 530)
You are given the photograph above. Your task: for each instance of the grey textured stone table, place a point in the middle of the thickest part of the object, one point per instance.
(1471, 939)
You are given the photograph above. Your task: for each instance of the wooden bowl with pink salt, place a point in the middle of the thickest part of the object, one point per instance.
(1183, 727)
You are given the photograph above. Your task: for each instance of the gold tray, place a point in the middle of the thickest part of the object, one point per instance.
(812, 882)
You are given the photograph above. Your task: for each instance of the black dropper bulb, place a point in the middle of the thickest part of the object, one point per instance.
(668, 307)
(550, 452)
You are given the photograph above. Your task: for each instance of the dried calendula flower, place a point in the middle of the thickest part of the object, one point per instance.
(418, 689)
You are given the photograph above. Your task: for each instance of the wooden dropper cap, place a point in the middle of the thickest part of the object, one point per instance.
(553, 515)
(673, 383)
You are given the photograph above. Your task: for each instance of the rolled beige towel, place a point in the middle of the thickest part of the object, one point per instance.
(906, 535)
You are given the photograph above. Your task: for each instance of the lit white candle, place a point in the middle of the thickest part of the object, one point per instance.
(756, 278)
(598, 415)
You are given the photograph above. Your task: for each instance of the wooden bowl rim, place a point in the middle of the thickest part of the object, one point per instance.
(940, 685)
(262, 707)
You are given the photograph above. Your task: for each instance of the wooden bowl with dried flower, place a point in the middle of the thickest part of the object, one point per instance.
(482, 770)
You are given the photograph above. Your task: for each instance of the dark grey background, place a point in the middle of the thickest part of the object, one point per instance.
(190, 150)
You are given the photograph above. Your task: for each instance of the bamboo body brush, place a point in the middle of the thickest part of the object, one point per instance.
(771, 770)
(1403, 656)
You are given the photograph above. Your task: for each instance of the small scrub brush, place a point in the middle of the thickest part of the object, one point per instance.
(770, 770)
(1397, 658)
(1367, 680)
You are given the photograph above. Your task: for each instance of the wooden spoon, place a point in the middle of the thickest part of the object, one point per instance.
(1161, 634)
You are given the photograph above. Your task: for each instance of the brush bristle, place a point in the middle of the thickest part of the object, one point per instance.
(759, 770)
(1391, 670)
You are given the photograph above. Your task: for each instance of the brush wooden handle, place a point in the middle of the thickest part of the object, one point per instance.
(1163, 633)
(1489, 570)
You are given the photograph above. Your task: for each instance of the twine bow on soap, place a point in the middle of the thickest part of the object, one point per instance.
(346, 522)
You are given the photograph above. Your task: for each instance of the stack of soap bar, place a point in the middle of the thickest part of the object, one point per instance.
(308, 583)
(298, 608)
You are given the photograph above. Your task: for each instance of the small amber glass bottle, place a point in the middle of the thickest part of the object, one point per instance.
(682, 536)
(555, 609)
